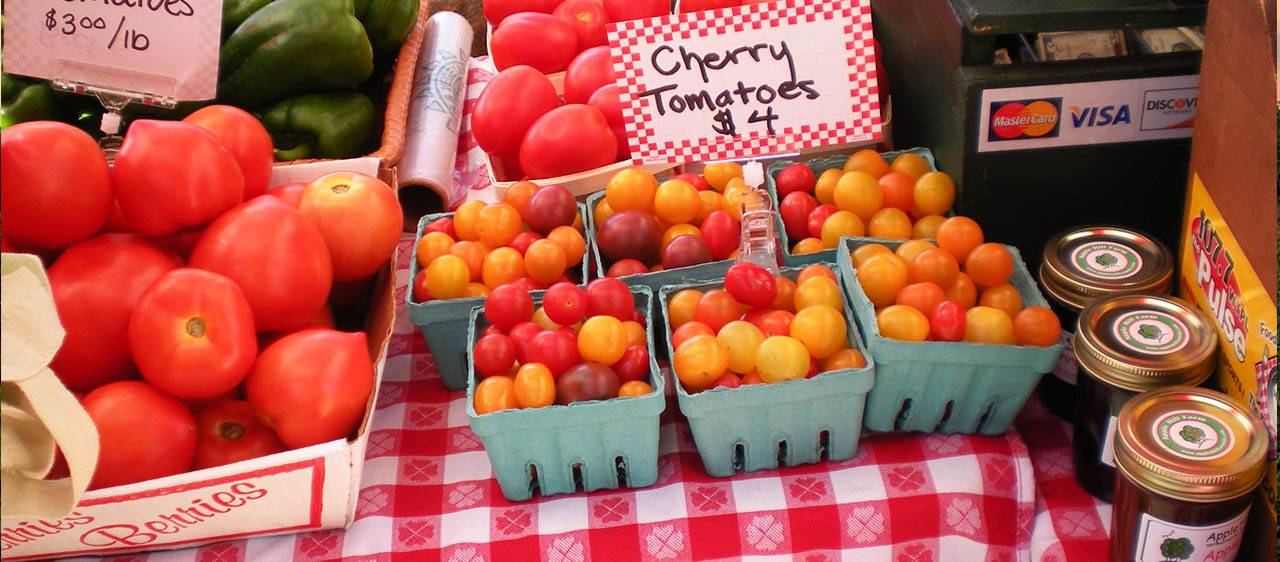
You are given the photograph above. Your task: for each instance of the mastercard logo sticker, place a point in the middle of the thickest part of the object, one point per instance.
(1025, 119)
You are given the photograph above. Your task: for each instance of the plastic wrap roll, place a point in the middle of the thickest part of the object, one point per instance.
(435, 114)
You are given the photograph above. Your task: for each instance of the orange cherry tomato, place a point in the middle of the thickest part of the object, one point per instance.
(681, 306)
(634, 388)
(699, 361)
(989, 265)
(1036, 325)
(602, 339)
(494, 394)
(534, 386)
(1004, 297)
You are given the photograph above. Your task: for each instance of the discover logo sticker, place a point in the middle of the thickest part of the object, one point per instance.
(1168, 109)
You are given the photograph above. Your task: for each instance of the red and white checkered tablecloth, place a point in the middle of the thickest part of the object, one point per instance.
(428, 493)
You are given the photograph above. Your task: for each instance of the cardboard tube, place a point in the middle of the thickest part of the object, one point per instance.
(435, 115)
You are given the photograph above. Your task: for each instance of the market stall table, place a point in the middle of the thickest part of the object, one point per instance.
(428, 493)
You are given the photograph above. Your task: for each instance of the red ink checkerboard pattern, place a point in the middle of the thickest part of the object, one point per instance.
(428, 494)
(861, 123)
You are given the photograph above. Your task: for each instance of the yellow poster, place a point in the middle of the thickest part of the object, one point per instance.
(1218, 278)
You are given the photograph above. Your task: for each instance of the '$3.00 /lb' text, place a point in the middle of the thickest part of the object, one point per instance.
(67, 23)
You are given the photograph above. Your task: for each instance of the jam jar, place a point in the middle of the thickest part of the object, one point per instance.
(1081, 264)
(1188, 460)
(1127, 344)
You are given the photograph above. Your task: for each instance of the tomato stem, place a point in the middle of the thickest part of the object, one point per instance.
(195, 327)
(340, 188)
(231, 431)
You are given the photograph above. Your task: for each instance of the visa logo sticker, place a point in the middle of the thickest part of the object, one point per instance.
(1100, 116)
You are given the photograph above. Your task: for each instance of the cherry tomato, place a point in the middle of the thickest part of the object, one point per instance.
(921, 296)
(699, 361)
(565, 303)
(545, 261)
(1004, 297)
(340, 205)
(822, 329)
(947, 321)
(687, 331)
(171, 175)
(728, 380)
(901, 322)
(602, 339)
(279, 260)
(721, 233)
(495, 394)
(587, 381)
(191, 334)
(776, 323)
(507, 306)
(228, 431)
(56, 185)
(625, 267)
(95, 285)
(634, 364)
(534, 386)
(522, 334)
(984, 324)
(1036, 325)
(556, 349)
(934, 265)
(741, 338)
(244, 136)
(781, 358)
(142, 433)
(989, 265)
(634, 388)
(312, 386)
(750, 284)
(818, 217)
(493, 355)
(443, 224)
(421, 292)
(611, 297)
(716, 308)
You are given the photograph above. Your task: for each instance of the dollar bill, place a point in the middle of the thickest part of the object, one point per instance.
(1070, 45)
(1002, 56)
(1169, 40)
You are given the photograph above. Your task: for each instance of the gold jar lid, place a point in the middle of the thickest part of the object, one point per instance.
(1190, 444)
(1087, 262)
(1141, 341)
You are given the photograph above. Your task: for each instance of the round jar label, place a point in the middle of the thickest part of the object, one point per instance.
(1193, 435)
(1106, 260)
(1151, 331)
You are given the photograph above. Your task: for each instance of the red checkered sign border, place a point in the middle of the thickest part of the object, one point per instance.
(859, 123)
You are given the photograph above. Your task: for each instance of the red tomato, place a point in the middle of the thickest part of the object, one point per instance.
(95, 286)
(497, 10)
(587, 18)
(542, 41)
(359, 217)
(947, 322)
(290, 193)
(818, 216)
(142, 433)
(507, 306)
(228, 431)
(312, 386)
(697, 181)
(609, 296)
(589, 71)
(279, 260)
(587, 381)
(716, 308)
(56, 185)
(622, 10)
(508, 105)
(750, 284)
(494, 355)
(634, 365)
(549, 207)
(607, 99)
(687, 6)
(721, 233)
(565, 303)
(443, 224)
(244, 136)
(421, 293)
(557, 349)
(795, 209)
(523, 240)
(625, 267)
(192, 334)
(776, 323)
(170, 175)
(566, 140)
(793, 178)
(522, 334)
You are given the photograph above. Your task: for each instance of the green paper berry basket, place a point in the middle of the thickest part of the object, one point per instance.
(442, 322)
(592, 445)
(818, 166)
(946, 387)
(789, 423)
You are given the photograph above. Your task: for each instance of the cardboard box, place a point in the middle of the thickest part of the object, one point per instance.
(1226, 258)
(304, 489)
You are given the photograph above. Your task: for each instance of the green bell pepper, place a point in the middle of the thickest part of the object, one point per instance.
(326, 125)
(388, 22)
(291, 47)
(234, 12)
(25, 101)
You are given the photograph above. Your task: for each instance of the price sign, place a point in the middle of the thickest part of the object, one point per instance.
(740, 82)
(164, 48)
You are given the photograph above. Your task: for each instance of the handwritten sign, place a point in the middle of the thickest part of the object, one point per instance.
(166, 48)
(747, 81)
